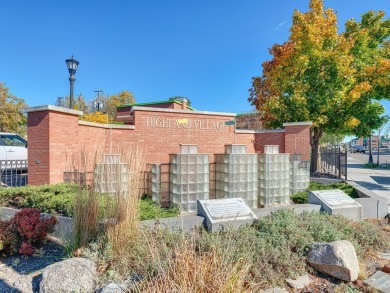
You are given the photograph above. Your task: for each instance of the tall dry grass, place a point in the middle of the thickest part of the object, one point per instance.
(110, 205)
(182, 263)
(86, 205)
(123, 234)
(191, 271)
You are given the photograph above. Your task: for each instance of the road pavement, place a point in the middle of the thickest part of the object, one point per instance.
(376, 180)
(384, 157)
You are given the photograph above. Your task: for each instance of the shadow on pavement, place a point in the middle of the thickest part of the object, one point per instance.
(357, 166)
(381, 180)
(370, 185)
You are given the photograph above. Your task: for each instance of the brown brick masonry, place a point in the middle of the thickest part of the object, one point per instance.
(56, 138)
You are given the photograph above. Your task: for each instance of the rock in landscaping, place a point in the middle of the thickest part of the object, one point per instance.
(71, 275)
(337, 259)
(299, 283)
(384, 255)
(274, 290)
(112, 288)
(379, 281)
(125, 286)
(386, 268)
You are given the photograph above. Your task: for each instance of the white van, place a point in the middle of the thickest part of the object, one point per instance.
(13, 150)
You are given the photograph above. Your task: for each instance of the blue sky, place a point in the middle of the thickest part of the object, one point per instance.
(204, 50)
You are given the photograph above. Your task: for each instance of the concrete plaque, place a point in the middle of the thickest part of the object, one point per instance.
(336, 202)
(335, 197)
(380, 281)
(229, 209)
(220, 213)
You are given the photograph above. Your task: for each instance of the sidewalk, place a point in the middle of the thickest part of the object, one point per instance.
(376, 180)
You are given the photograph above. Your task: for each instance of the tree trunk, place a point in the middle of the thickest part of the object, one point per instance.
(315, 136)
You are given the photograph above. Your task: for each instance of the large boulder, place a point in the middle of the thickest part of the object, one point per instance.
(337, 259)
(71, 275)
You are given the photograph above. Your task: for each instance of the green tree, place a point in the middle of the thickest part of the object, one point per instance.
(332, 79)
(180, 98)
(12, 118)
(121, 98)
(78, 103)
(330, 139)
(110, 103)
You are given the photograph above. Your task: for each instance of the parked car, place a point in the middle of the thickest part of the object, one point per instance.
(13, 148)
(358, 149)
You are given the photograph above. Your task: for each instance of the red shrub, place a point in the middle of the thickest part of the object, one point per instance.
(26, 248)
(25, 229)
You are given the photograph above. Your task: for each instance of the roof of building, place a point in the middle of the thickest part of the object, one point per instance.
(155, 103)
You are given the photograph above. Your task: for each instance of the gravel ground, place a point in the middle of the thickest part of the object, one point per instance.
(19, 273)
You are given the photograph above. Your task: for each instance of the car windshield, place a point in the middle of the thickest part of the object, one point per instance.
(12, 140)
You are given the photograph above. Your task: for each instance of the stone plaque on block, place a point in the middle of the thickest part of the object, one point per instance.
(225, 213)
(336, 202)
(379, 281)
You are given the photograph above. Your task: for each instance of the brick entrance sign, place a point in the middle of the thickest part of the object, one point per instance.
(56, 134)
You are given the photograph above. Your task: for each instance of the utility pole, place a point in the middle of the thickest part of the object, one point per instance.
(379, 141)
(98, 104)
(98, 92)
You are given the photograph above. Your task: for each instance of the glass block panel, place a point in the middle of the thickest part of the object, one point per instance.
(271, 149)
(191, 180)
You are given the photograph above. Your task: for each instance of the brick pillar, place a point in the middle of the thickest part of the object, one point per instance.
(50, 131)
(184, 104)
(297, 138)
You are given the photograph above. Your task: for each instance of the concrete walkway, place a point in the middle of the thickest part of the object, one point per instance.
(376, 180)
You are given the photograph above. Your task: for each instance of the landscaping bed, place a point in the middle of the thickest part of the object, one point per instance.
(59, 199)
(246, 259)
(302, 197)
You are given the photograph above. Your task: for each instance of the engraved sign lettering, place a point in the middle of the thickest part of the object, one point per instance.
(334, 198)
(228, 209)
(159, 122)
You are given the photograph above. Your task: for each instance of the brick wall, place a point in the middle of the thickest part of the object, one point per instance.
(38, 148)
(297, 139)
(57, 138)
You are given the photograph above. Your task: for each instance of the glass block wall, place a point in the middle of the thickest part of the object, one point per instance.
(155, 181)
(236, 175)
(111, 176)
(273, 179)
(299, 174)
(189, 179)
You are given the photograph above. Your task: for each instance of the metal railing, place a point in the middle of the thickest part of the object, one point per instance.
(86, 179)
(333, 162)
(13, 173)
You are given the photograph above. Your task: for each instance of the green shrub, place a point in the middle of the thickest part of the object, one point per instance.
(55, 199)
(273, 249)
(149, 210)
(302, 197)
(376, 166)
(58, 199)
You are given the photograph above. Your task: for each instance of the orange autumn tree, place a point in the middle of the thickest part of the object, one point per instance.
(332, 79)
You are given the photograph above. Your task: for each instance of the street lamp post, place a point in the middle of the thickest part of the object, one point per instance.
(370, 159)
(72, 67)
